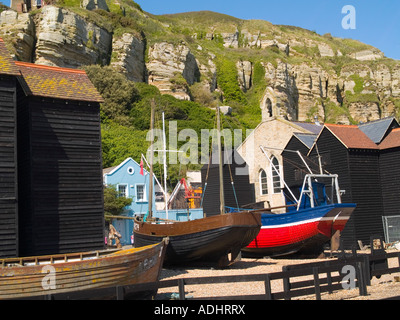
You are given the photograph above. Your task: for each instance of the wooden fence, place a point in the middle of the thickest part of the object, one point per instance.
(326, 276)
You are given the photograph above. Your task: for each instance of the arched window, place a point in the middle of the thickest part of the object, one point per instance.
(268, 106)
(263, 182)
(276, 179)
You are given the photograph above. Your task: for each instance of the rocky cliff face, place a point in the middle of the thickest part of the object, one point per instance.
(129, 52)
(18, 30)
(66, 39)
(306, 76)
(170, 64)
(303, 91)
(56, 37)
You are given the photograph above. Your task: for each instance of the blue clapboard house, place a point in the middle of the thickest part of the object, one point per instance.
(130, 183)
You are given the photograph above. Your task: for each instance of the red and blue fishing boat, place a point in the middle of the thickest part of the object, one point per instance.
(309, 223)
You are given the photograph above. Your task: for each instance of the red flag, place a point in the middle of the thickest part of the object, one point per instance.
(141, 167)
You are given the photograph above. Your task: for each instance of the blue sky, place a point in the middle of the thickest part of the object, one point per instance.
(377, 21)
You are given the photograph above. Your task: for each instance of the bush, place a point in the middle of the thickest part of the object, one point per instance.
(113, 204)
(228, 81)
(118, 92)
(361, 97)
(120, 142)
(202, 95)
(359, 87)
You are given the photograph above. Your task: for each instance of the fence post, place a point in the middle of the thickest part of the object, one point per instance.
(119, 293)
(367, 271)
(329, 281)
(316, 283)
(286, 284)
(360, 277)
(268, 291)
(398, 258)
(181, 285)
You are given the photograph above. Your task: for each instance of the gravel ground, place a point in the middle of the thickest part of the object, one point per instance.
(385, 287)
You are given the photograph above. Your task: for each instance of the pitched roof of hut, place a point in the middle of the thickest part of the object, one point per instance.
(55, 82)
(307, 139)
(49, 82)
(7, 65)
(378, 129)
(314, 128)
(392, 140)
(351, 136)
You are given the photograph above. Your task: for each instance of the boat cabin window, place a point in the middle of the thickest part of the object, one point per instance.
(263, 182)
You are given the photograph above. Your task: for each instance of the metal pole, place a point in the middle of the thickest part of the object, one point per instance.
(151, 159)
(338, 195)
(311, 191)
(305, 163)
(165, 167)
(221, 177)
(280, 176)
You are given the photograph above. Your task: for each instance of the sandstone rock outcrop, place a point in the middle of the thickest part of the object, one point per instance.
(367, 55)
(168, 65)
(20, 30)
(66, 39)
(302, 91)
(128, 56)
(94, 4)
(325, 50)
(245, 72)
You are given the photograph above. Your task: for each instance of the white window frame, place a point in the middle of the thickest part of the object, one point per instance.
(130, 170)
(126, 189)
(276, 175)
(260, 179)
(144, 199)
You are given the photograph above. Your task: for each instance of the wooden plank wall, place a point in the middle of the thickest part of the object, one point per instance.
(359, 176)
(335, 160)
(367, 193)
(293, 168)
(8, 169)
(65, 211)
(390, 170)
(241, 186)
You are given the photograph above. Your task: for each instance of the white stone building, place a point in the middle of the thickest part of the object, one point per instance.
(273, 133)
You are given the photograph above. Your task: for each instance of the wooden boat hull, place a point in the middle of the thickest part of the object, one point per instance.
(304, 231)
(47, 275)
(214, 240)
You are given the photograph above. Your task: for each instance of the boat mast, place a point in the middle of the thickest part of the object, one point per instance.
(151, 158)
(221, 177)
(165, 167)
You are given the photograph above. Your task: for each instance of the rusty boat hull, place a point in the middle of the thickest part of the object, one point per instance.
(22, 278)
(215, 240)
